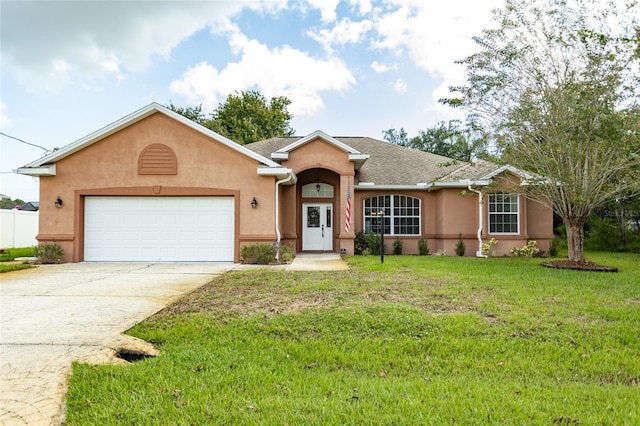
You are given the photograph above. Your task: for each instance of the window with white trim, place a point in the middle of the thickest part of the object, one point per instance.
(317, 190)
(401, 215)
(504, 214)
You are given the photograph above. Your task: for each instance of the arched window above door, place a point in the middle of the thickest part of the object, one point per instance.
(317, 190)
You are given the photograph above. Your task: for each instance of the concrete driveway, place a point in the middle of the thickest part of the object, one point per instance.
(54, 314)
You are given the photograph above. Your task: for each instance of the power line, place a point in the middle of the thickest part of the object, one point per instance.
(28, 143)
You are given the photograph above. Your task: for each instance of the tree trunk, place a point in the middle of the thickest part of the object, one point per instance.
(622, 222)
(575, 239)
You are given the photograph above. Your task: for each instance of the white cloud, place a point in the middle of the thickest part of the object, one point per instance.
(400, 86)
(364, 6)
(283, 71)
(434, 35)
(378, 67)
(327, 8)
(4, 118)
(88, 41)
(342, 33)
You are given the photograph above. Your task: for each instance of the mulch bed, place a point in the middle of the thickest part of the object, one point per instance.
(579, 266)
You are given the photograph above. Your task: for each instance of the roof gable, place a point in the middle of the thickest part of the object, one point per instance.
(354, 155)
(46, 165)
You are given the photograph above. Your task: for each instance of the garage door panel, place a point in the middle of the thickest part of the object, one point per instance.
(159, 228)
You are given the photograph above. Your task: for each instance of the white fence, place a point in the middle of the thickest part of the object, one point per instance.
(18, 228)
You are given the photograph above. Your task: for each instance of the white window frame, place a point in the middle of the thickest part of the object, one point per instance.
(491, 201)
(309, 190)
(390, 215)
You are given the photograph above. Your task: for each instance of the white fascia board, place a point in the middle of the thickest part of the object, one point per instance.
(95, 136)
(372, 186)
(318, 134)
(460, 183)
(507, 168)
(279, 172)
(279, 155)
(48, 170)
(139, 115)
(358, 159)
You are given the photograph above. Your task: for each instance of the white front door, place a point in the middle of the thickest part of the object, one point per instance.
(317, 227)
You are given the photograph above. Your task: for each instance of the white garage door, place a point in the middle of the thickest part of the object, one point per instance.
(181, 229)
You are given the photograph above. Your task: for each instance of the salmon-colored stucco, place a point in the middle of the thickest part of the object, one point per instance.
(158, 153)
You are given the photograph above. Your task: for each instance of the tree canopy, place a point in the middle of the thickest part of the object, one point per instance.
(557, 85)
(453, 139)
(244, 117)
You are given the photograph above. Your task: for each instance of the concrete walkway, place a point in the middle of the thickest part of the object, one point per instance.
(318, 262)
(54, 314)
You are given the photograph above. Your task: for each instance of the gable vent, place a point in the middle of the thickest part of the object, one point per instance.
(157, 159)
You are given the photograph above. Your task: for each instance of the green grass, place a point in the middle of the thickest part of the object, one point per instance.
(418, 340)
(8, 267)
(11, 253)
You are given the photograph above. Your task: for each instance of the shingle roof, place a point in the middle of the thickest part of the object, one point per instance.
(390, 164)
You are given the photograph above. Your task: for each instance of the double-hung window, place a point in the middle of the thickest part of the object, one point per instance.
(401, 215)
(504, 214)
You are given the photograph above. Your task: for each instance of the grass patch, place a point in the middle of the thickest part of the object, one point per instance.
(10, 254)
(8, 267)
(418, 340)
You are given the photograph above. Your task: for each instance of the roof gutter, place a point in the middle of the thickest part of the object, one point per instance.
(479, 252)
(422, 185)
(290, 178)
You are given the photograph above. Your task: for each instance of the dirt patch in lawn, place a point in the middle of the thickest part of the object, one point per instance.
(278, 292)
(579, 266)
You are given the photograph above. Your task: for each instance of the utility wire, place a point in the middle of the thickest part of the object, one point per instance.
(28, 143)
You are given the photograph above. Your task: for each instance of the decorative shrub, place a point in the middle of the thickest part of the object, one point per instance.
(49, 253)
(367, 243)
(260, 254)
(360, 243)
(423, 247)
(461, 247)
(265, 254)
(397, 246)
(486, 247)
(530, 250)
(286, 254)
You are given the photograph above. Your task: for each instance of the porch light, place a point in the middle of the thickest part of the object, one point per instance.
(254, 203)
(58, 202)
(318, 188)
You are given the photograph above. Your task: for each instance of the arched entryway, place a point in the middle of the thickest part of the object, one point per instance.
(317, 191)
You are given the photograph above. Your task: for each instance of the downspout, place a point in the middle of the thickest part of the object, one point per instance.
(480, 220)
(288, 179)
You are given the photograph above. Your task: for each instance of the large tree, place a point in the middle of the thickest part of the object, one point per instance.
(244, 117)
(557, 84)
(453, 139)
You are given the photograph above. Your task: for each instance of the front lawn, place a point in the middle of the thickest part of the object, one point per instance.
(10, 254)
(418, 340)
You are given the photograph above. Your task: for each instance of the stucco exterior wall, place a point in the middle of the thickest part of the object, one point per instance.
(110, 167)
(206, 167)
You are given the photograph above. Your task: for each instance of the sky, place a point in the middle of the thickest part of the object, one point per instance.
(350, 67)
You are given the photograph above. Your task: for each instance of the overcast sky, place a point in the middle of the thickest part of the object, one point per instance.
(350, 68)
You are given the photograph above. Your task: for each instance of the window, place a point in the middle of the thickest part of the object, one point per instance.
(317, 190)
(401, 215)
(503, 214)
